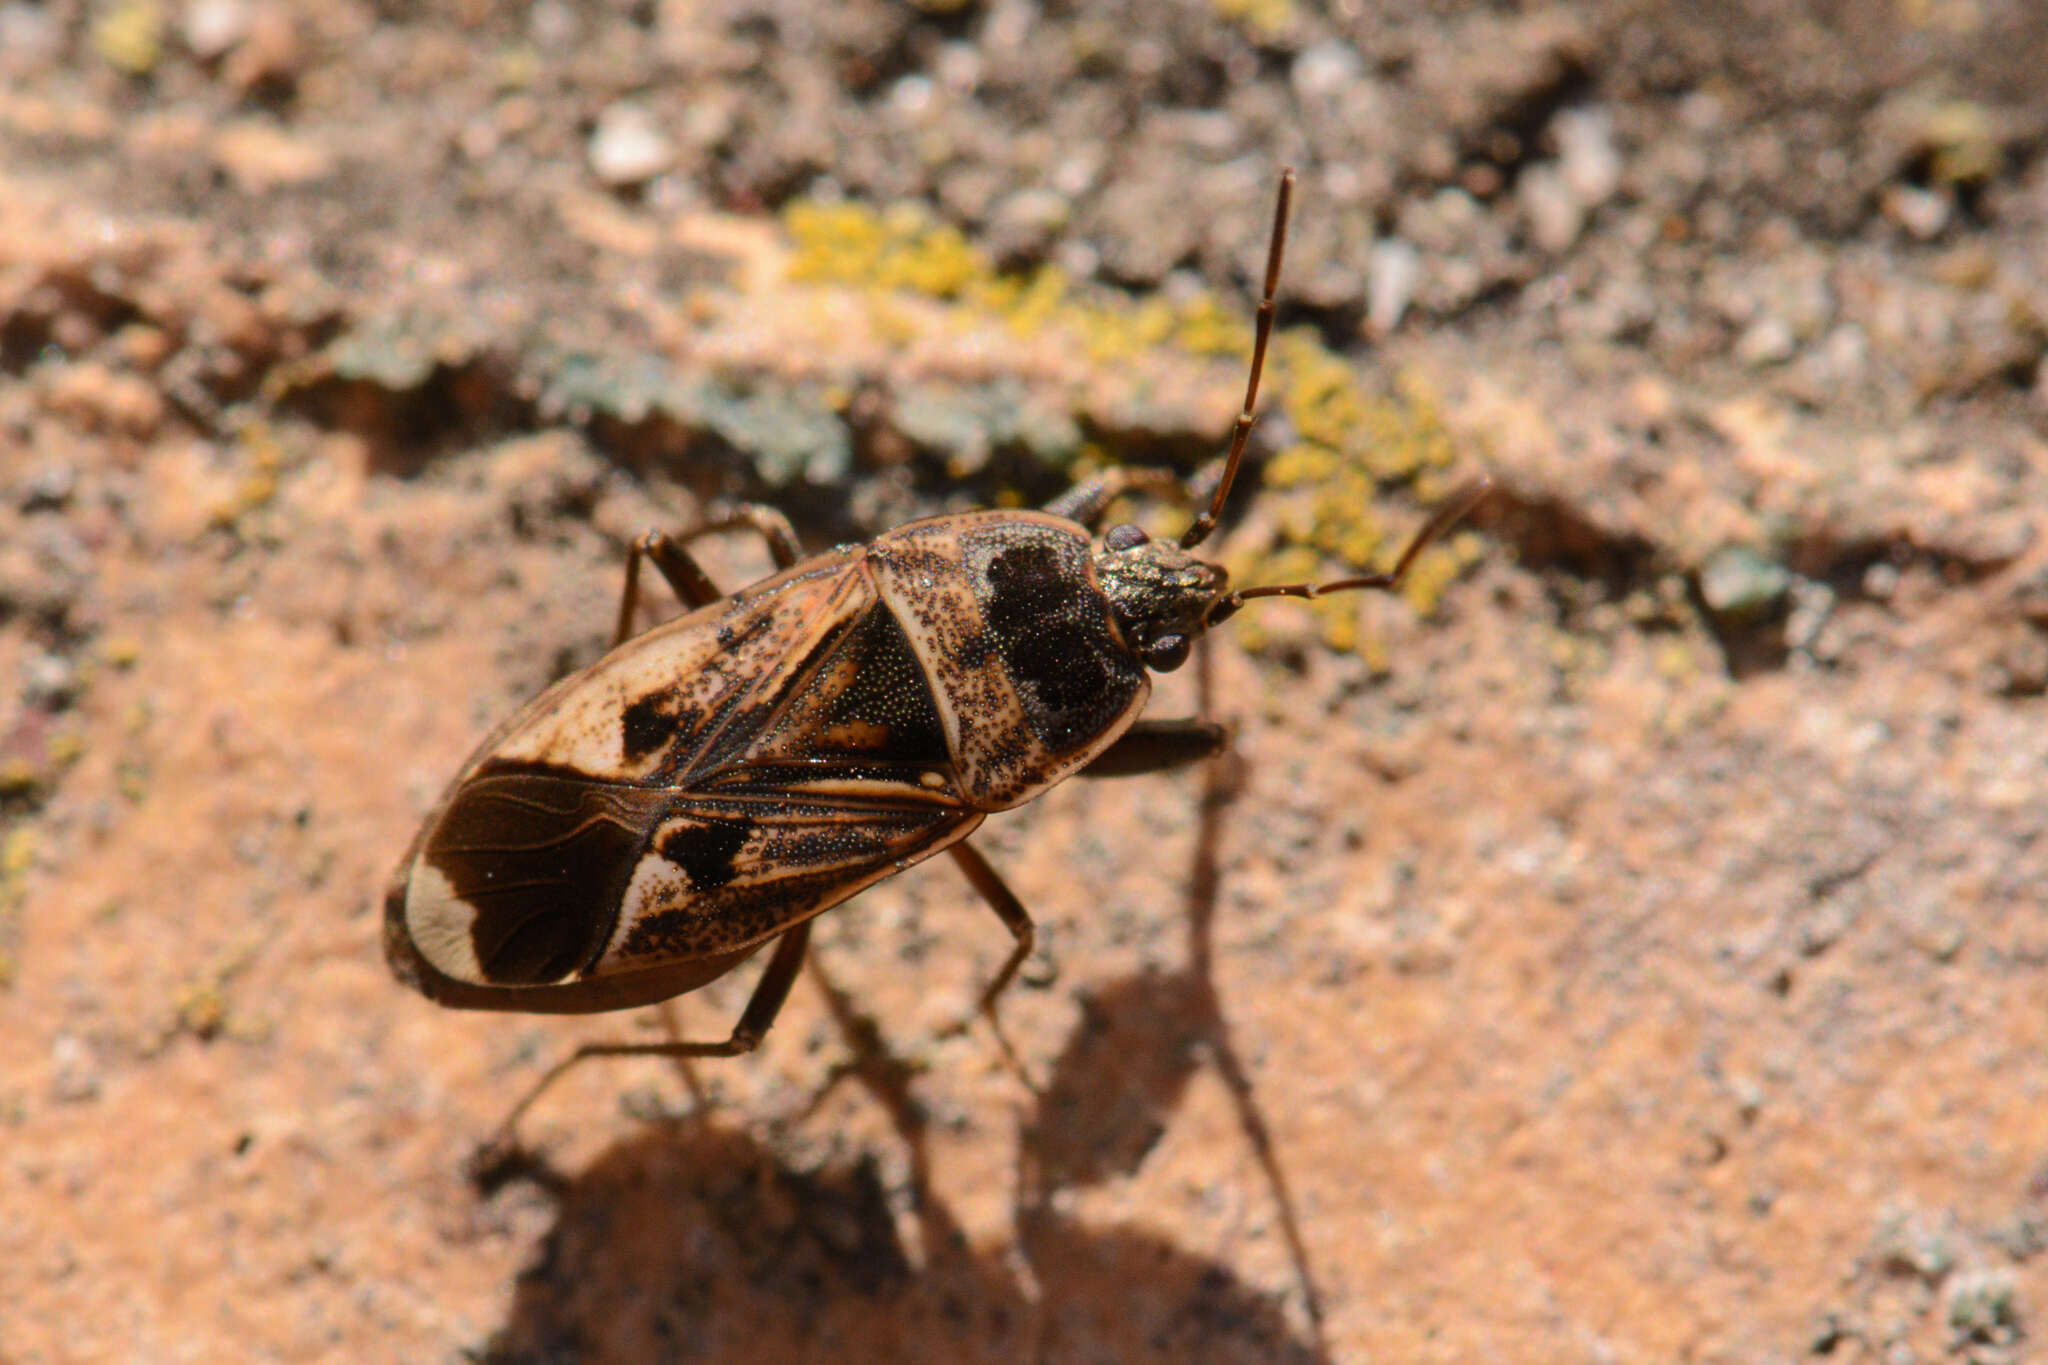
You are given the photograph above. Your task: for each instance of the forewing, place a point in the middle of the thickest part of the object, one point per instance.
(533, 884)
(684, 697)
(721, 875)
(696, 792)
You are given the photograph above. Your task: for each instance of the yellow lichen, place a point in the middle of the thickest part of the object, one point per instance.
(1265, 20)
(18, 777)
(1673, 660)
(131, 779)
(1205, 327)
(256, 484)
(64, 748)
(1351, 442)
(200, 1010)
(899, 248)
(129, 36)
(17, 854)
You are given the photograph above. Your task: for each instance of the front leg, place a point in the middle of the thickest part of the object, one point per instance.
(1086, 501)
(1156, 746)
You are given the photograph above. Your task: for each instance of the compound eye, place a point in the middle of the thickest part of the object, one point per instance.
(1124, 536)
(1168, 652)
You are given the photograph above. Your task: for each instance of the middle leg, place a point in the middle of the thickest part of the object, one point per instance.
(1010, 911)
(692, 586)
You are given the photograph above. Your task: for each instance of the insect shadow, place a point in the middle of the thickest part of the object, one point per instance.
(1142, 1039)
(693, 1241)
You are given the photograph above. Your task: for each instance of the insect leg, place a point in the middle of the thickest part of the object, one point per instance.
(771, 525)
(1086, 501)
(1014, 916)
(770, 992)
(1153, 746)
(693, 587)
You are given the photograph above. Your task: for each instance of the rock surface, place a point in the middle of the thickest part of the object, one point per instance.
(1627, 945)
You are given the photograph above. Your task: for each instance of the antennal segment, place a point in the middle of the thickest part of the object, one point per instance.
(1450, 514)
(1241, 433)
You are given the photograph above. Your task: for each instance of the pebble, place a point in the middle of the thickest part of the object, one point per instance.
(1024, 222)
(1586, 157)
(1555, 214)
(271, 53)
(553, 26)
(1325, 69)
(1765, 342)
(29, 35)
(2020, 666)
(1392, 272)
(627, 147)
(1923, 213)
(74, 1075)
(1738, 583)
(213, 28)
(49, 682)
(48, 488)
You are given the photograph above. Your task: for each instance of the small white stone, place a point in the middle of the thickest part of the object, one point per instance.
(628, 147)
(1555, 214)
(553, 26)
(1768, 341)
(1586, 155)
(1922, 212)
(1325, 69)
(27, 34)
(1392, 273)
(911, 96)
(215, 27)
(74, 1072)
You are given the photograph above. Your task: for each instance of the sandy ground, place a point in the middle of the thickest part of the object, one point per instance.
(1625, 946)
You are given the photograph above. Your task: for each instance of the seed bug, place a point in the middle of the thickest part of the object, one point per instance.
(706, 788)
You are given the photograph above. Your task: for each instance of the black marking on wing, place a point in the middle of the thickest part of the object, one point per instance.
(797, 858)
(647, 725)
(542, 859)
(756, 709)
(886, 697)
(700, 721)
(730, 639)
(705, 851)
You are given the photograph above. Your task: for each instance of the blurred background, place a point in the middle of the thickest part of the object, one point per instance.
(1624, 944)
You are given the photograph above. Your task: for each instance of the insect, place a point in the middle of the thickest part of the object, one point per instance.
(708, 787)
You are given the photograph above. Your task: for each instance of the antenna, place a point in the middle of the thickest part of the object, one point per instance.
(1241, 433)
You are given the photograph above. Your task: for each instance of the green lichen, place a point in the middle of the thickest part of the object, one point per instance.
(788, 432)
